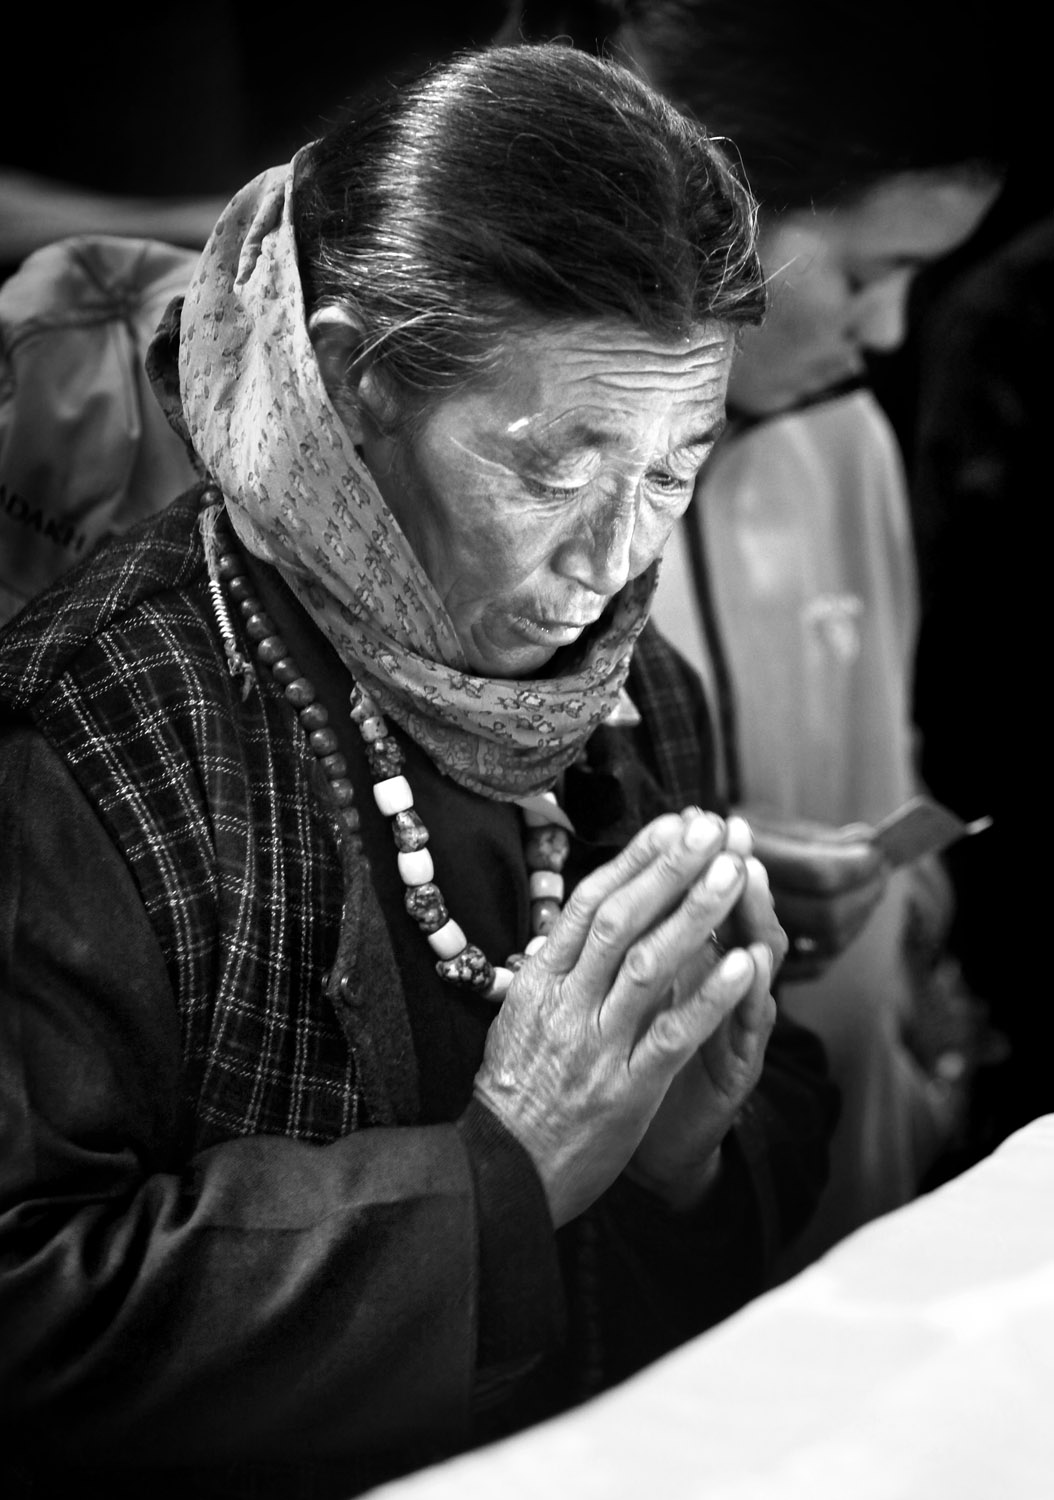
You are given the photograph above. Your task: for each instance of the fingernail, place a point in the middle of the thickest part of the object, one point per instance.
(757, 869)
(739, 834)
(735, 965)
(723, 873)
(700, 830)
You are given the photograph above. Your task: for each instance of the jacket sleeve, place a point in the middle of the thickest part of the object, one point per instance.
(670, 1276)
(265, 1296)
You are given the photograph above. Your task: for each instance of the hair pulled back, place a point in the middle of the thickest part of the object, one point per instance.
(821, 99)
(514, 187)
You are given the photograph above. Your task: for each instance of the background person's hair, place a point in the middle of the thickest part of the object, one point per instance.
(512, 188)
(821, 99)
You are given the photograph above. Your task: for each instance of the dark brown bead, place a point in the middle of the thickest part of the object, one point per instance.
(547, 848)
(316, 715)
(249, 606)
(470, 968)
(385, 758)
(300, 692)
(426, 905)
(240, 588)
(229, 565)
(543, 914)
(334, 765)
(408, 831)
(343, 791)
(322, 741)
(271, 649)
(258, 626)
(287, 671)
(350, 817)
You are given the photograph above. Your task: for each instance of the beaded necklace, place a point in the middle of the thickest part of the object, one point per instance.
(546, 844)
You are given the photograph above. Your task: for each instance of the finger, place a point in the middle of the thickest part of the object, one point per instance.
(564, 942)
(761, 920)
(754, 918)
(735, 1054)
(696, 968)
(752, 1020)
(678, 1030)
(854, 833)
(627, 911)
(654, 962)
(739, 838)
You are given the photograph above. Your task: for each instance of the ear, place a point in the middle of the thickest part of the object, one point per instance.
(337, 340)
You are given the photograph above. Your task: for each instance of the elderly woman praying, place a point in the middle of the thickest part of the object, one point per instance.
(389, 1051)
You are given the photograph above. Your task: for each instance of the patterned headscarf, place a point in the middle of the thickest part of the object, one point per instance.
(301, 498)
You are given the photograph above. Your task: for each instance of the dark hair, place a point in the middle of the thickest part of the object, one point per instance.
(518, 186)
(821, 99)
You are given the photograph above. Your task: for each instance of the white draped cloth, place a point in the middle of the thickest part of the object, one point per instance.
(914, 1361)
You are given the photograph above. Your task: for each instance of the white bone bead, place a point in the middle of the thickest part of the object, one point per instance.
(415, 866)
(448, 941)
(499, 984)
(393, 796)
(538, 819)
(546, 883)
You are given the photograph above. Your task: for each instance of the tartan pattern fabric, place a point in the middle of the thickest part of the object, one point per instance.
(207, 795)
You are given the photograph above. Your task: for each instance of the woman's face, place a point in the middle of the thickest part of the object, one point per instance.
(534, 499)
(839, 283)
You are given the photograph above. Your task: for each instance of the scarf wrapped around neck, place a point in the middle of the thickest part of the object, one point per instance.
(300, 497)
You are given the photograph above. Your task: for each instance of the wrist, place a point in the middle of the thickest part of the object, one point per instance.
(682, 1190)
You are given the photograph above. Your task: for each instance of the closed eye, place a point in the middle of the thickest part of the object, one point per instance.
(549, 491)
(672, 484)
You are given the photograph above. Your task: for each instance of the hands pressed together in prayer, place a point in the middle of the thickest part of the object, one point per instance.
(632, 1037)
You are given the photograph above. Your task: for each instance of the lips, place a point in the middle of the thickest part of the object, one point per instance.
(558, 631)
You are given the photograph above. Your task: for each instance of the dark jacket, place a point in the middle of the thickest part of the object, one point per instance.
(255, 1235)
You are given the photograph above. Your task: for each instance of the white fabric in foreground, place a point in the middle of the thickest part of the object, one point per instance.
(915, 1361)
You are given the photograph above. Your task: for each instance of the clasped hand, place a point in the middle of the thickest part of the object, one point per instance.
(631, 1038)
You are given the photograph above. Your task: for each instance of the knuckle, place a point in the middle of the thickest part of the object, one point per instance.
(639, 966)
(579, 903)
(608, 925)
(667, 1031)
(700, 900)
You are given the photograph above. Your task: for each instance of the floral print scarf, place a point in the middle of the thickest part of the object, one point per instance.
(301, 498)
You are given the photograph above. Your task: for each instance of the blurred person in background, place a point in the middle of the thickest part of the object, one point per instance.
(791, 582)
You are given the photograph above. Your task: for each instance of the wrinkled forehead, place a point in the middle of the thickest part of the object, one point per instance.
(614, 358)
(598, 385)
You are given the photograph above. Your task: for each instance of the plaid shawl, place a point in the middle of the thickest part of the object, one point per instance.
(211, 800)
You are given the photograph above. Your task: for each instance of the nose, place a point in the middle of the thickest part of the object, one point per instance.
(598, 553)
(880, 320)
